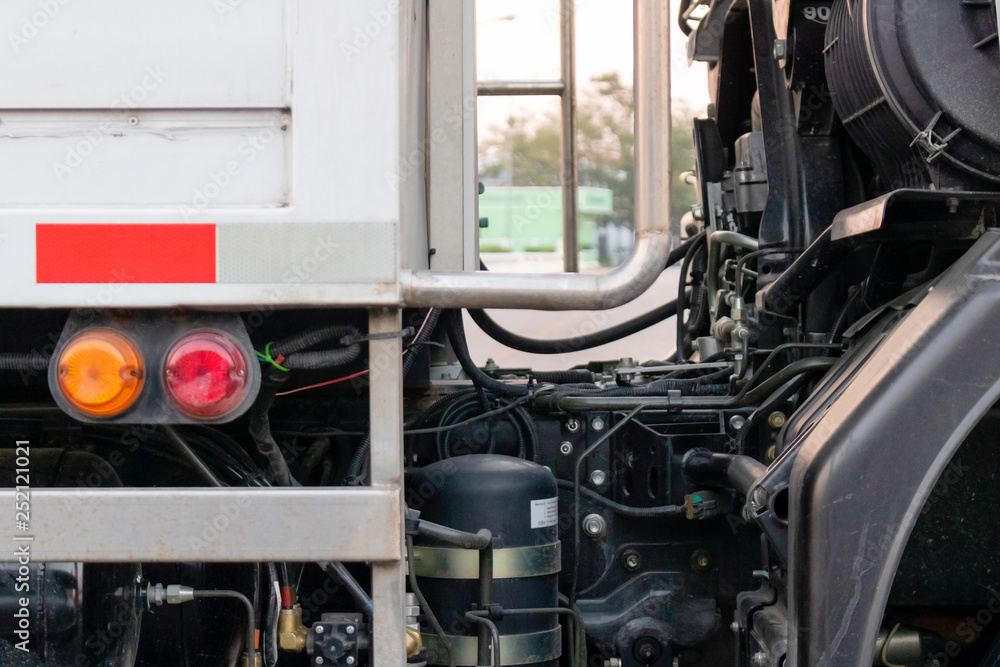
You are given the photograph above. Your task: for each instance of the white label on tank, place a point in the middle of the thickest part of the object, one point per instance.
(544, 513)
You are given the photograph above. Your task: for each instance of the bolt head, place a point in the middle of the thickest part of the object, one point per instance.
(572, 425)
(776, 419)
(349, 629)
(566, 448)
(598, 478)
(759, 659)
(349, 660)
(319, 660)
(736, 422)
(734, 626)
(594, 525)
(780, 49)
(701, 560)
(597, 424)
(632, 562)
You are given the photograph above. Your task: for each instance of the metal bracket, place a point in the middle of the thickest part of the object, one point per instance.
(388, 335)
(930, 143)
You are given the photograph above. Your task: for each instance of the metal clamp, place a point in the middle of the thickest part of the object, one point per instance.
(513, 563)
(929, 142)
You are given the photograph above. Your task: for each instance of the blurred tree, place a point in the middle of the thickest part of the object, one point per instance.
(526, 151)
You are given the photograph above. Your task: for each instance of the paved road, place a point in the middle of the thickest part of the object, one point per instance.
(657, 342)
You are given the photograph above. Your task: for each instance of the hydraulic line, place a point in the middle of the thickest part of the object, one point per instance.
(260, 425)
(661, 512)
(428, 612)
(585, 341)
(185, 449)
(768, 406)
(251, 616)
(339, 572)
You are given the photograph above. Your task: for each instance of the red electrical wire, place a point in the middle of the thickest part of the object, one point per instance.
(355, 375)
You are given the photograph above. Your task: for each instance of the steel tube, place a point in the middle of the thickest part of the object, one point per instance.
(571, 229)
(510, 88)
(652, 213)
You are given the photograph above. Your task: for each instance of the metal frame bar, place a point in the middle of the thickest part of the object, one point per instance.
(566, 90)
(386, 406)
(209, 524)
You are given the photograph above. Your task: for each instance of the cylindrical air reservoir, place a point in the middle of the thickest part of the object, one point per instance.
(516, 500)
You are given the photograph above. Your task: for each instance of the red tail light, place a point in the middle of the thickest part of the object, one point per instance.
(206, 374)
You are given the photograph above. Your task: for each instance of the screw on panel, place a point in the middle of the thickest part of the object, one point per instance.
(632, 561)
(701, 560)
(349, 629)
(597, 424)
(319, 660)
(594, 525)
(736, 422)
(349, 660)
(776, 419)
(598, 478)
(566, 448)
(572, 425)
(318, 629)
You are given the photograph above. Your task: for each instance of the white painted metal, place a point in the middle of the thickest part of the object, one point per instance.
(70, 54)
(195, 161)
(338, 162)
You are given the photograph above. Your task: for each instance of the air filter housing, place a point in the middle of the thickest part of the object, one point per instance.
(917, 86)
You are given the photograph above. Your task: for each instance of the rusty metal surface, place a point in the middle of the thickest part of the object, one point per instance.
(212, 525)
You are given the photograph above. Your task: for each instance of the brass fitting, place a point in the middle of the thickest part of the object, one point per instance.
(414, 644)
(291, 633)
(256, 661)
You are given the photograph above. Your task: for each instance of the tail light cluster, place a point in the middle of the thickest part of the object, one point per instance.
(154, 368)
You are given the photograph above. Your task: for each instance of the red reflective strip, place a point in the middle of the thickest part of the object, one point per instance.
(125, 253)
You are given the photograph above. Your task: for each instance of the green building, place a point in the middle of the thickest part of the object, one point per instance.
(529, 219)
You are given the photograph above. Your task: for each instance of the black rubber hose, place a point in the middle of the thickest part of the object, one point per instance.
(592, 340)
(836, 333)
(310, 337)
(681, 301)
(322, 358)
(458, 538)
(722, 470)
(260, 426)
(295, 359)
(624, 510)
(30, 361)
(576, 343)
(456, 334)
(564, 377)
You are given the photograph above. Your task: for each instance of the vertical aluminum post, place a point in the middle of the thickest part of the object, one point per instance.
(386, 396)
